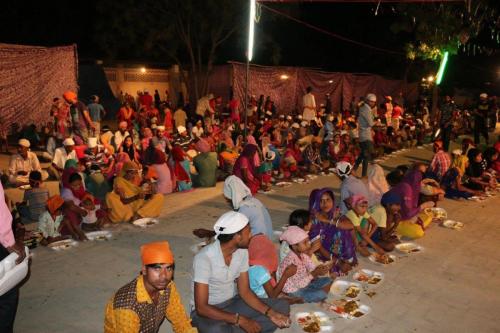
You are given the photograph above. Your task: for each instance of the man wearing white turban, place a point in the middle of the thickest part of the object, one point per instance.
(222, 300)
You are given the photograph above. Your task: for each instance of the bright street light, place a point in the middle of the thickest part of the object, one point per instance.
(143, 70)
(430, 78)
(284, 77)
(251, 27)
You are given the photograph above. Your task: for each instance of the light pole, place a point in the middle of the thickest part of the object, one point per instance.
(251, 29)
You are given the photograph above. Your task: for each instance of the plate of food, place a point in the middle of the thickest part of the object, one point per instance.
(382, 259)
(408, 247)
(299, 180)
(349, 309)
(369, 277)
(145, 222)
(25, 187)
(63, 244)
(346, 288)
(438, 213)
(283, 184)
(311, 177)
(99, 235)
(477, 198)
(314, 322)
(453, 225)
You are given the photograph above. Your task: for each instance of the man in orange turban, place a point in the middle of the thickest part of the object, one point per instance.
(80, 117)
(143, 304)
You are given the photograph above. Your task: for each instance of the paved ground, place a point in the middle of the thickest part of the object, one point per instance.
(453, 285)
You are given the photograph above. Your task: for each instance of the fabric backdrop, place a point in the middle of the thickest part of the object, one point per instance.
(342, 87)
(30, 77)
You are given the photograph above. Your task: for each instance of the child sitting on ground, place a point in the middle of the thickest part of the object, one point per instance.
(302, 219)
(266, 170)
(364, 225)
(35, 198)
(263, 262)
(308, 282)
(52, 220)
(93, 221)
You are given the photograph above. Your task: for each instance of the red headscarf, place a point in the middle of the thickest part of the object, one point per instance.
(179, 155)
(261, 251)
(67, 173)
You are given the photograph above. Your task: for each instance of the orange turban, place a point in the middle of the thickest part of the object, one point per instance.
(54, 203)
(156, 253)
(70, 96)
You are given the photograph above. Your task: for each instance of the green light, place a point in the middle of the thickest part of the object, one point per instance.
(442, 67)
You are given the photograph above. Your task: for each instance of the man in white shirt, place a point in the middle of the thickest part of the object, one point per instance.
(309, 104)
(222, 300)
(203, 106)
(121, 134)
(22, 163)
(61, 155)
(197, 131)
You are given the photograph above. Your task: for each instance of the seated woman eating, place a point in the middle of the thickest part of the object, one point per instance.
(454, 180)
(415, 218)
(128, 201)
(245, 168)
(337, 241)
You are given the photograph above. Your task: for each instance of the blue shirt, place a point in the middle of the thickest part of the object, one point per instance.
(258, 277)
(95, 111)
(258, 216)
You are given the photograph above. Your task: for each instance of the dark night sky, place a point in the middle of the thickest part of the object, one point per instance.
(52, 23)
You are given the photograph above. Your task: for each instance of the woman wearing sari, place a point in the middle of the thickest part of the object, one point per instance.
(128, 201)
(181, 169)
(336, 237)
(72, 193)
(414, 218)
(165, 184)
(245, 168)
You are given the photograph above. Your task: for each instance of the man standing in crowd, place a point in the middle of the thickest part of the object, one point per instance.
(446, 121)
(204, 108)
(8, 244)
(143, 304)
(365, 123)
(180, 117)
(22, 163)
(481, 119)
(309, 105)
(97, 113)
(80, 117)
(222, 299)
(146, 100)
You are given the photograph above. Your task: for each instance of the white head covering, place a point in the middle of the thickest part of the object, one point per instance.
(181, 129)
(288, 117)
(371, 97)
(295, 125)
(236, 190)
(161, 128)
(270, 155)
(483, 95)
(377, 184)
(343, 168)
(457, 152)
(229, 223)
(23, 142)
(69, 142)
(304, 123)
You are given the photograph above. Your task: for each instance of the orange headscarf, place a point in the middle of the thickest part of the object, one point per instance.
(54, 203)
(70, 96)
(261, 251)
(156, 253)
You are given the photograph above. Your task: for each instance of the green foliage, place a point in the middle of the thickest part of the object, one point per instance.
(439, 27)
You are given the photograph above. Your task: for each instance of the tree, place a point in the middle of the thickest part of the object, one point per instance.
(437, 27)
(188, 32)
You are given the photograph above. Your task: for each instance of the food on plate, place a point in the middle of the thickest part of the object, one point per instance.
(101, 238)
(352, 291)
(357, 314)
(382, 258)
(363, 277)
(374, 279)
(150, 223)
(310, 323)
(371, 294)
(350, 306)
